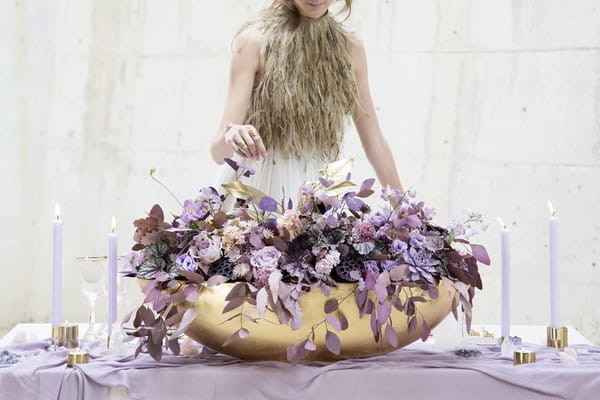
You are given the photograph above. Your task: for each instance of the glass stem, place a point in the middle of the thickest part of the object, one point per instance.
(92, 321)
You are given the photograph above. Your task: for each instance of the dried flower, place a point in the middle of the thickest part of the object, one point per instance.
(363, 231)
(240, 270)
(291, 221)
(327, 261)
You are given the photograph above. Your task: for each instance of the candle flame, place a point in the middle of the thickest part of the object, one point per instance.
(552, 210)
(502, 224)
(113, 224)
(57, 211)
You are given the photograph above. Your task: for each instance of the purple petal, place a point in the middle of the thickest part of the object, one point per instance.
(267, 204)
(233, 164)
(413, 221)
(480, 254)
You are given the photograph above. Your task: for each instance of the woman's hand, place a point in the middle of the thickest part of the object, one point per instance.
(245, 141)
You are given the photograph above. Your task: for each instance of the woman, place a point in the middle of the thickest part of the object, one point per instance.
(296, 74)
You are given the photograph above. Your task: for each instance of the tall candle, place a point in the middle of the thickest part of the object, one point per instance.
(505, 260)
(57, 267)
(112, 277)
(554, 278)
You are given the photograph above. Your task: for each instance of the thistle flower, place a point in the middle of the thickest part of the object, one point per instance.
(363, 231)
(240, 270)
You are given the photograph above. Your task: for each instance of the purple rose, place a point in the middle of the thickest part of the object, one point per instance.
(208, 250)
(267, 257)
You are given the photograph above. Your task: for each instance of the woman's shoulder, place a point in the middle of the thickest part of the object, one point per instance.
(249, 38)
(357, 48)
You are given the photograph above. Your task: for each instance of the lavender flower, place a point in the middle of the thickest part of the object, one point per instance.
(429, 213)
(387, 265)
(193, 211)
(399, 246)
(417, 240)
(186, 263)
(377, 219)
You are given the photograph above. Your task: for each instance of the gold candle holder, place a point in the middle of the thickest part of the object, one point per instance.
(77, 357)
(557, 337)
(523, 357)
(66, 335)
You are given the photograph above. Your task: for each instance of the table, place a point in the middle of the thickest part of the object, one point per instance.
(418, 369)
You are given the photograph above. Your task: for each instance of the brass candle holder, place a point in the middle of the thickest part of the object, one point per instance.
(77, 357)
(557, 337)
(524, 357)
(66, 335)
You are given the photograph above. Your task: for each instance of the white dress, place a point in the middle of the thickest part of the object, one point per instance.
(275, 175)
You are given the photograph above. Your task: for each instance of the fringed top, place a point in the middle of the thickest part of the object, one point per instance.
(307, 87)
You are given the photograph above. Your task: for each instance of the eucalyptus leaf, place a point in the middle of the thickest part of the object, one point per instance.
(188, 317)
(391, 335)
(333, 322)
(261, 302)
(331, 305)
(274, 281)
(332, 342)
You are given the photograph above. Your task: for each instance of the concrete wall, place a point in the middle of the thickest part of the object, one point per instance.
(491, 105)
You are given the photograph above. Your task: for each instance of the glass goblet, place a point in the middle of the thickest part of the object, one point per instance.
(92, 270)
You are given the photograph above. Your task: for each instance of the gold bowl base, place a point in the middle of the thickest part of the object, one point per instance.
(268, 340)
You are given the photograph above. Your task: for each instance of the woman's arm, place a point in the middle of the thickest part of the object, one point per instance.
(244, 66)
(373, 142)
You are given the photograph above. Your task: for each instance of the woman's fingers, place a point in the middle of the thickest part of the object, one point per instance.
(239, 146)
(251, 146)
(260, 146)
(245, 141)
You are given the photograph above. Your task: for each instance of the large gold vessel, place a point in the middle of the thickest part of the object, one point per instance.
(268, 339)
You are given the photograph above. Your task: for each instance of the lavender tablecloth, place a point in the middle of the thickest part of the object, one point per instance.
(419, 370)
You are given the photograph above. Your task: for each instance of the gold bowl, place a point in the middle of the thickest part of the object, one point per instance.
(268, 340)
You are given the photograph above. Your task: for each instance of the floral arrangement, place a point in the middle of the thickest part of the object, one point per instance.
(276, 251)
